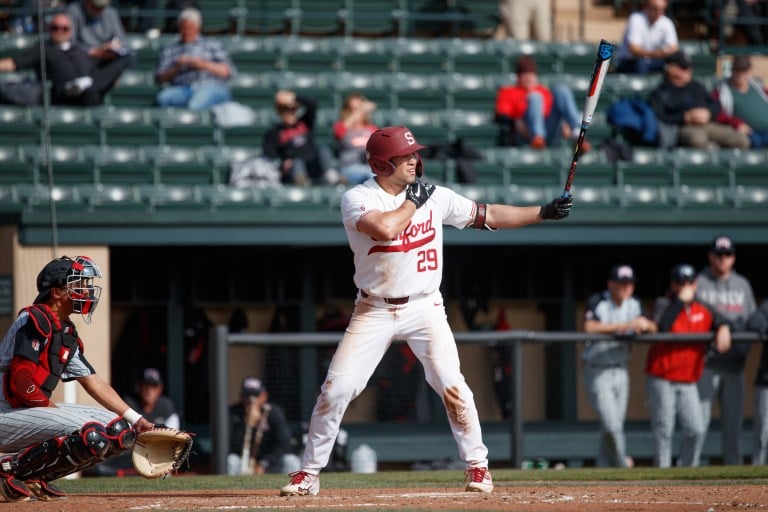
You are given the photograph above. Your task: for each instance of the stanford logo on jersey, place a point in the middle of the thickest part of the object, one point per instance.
(414, 235)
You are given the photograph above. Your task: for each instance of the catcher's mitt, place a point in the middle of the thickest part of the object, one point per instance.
(160, 451)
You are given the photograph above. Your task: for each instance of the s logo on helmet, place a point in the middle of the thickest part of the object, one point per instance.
(409, 138)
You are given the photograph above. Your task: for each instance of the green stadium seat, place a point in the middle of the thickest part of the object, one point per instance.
(523, 195)
(218, 15)
(412, 91)
(135, 89)
(308, 84)
(531, 167)
(102, 197)
(475, 127)
(68, 125)
(320, 17)
(575, 58)
(509, 50)
(640, 196)
(414, 55)
(252, 54)
(371, 86)
(307, 55)
(265, 17)
(647, 168)
(181, 127)
(163, 197)
(179, 165)
(749, 168)
(17, 125)
(490, 173)
(474, 56)
(686, 195)
(42, 195)
(14, 169)
(125, 126)
(468, 92)
(359, 55)
(257, 90)
(116, 165)
(425, 124)
(223, 197)
(620, 85)
(483, 17)
(698, 167)
(66, 164)
(593, 168)
(747, 197)
(377, 18)
(145, 49)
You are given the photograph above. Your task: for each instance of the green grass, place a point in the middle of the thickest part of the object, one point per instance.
(709, 475)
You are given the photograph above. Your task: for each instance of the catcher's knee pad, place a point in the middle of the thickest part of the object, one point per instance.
(121, 436)
(62, 455)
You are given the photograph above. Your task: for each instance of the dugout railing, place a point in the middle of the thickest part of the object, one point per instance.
(222, 339)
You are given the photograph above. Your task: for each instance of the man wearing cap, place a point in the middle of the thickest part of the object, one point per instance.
(673, 368)
(613, 311)
(649, 37)
(151, 402)
(686, 110)
(260, 439)
(529, 112)
(744, 102)
(43, 440)
(731, 295)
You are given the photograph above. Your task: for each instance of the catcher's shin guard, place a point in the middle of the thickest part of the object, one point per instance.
(62, 455)
(121, 437)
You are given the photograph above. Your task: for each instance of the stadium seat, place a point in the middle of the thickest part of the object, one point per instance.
(414, 55)
(252, 54)
(146, 51)
(66, 164)
(306, 55)
(483, 17)
(639, 196)
(686, 195)
(473, 56)
(747, 197)
(373, 18)
(647, 168)
(575, 58)
(14, 169)
(181, 127)
(135, 89)
(38, 194)
(475, 127)
(180, 165)
(265, 17)
(593, 168)
(218, 15)
(468, 92)
(320, 17)
(124, 166)
(17, 125)
(531, 167)
(358, 55)
(412, 91)
(698, 167)
(425, 124)
(522, 195)
(68, 125)
(257, 90)
(371, 86)
(125, 126)
(748, 168)
(509, 50)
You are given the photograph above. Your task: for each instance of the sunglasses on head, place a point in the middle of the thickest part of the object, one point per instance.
(60, 28)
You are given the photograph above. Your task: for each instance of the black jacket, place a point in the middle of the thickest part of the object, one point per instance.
(670, 103)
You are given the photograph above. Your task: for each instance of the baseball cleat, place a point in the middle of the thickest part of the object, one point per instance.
(13, 489)
(478, 480)
(45, 491)
(302, 484)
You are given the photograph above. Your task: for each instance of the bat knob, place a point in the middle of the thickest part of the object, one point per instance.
(566, 194)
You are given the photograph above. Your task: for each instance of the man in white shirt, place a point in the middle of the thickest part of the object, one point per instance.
(650, 36)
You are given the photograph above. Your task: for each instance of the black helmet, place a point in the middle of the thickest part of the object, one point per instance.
(683, 273)
(77, 276)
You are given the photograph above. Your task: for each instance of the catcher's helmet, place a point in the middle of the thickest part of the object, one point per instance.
(77, 276)
(387, 143)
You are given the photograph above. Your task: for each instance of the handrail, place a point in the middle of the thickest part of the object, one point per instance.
(516, 337)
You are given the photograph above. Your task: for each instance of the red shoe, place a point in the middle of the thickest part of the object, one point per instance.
(478, 480)
(538, 142)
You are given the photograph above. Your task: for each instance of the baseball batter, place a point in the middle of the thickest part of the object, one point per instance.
(394, 223)
(48, 440)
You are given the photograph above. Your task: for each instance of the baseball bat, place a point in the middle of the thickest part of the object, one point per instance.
(603, 60)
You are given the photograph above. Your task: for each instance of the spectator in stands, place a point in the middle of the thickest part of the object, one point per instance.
(76, 77)
(650, 37)
(758, 322)
(613, 311)
(530, 112)
(731, 295)
(673, 368)
(686, 110)
(96, 25)
(291, 141)
(757, 10)
(196, 68)
(525, 20)
(260, 438)
(351, 132)
(744, 102)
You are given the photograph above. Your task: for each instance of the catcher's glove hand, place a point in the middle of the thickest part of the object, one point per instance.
(160, 451)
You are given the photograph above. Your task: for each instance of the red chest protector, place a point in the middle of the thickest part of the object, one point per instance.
(59, 344)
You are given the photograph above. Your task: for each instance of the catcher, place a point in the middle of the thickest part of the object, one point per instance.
(44, 440)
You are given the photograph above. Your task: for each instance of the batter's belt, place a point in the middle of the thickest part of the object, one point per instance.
(395, 301)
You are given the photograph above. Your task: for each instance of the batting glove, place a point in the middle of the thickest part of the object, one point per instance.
(419, 192)
(558, 209)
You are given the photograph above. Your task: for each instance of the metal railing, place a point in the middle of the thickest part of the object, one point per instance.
(222, 339)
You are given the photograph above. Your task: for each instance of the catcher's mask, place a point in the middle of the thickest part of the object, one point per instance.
(387, 143)
(77, 276)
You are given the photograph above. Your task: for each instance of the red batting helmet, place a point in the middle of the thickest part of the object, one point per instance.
(387, 143)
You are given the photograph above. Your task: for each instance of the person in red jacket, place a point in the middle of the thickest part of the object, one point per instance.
(529, 112)
(673, 368)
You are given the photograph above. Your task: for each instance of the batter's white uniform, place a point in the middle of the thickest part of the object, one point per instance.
(409, 266)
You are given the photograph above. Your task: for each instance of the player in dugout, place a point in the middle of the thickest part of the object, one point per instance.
(394, 223)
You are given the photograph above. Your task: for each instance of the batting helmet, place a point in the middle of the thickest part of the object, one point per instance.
(387, 143)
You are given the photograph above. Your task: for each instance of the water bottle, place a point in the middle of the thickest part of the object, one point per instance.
(364, 459)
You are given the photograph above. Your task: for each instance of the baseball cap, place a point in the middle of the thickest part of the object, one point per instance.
(682, 273)
(741, 63)
(622, 273)
(151, 376)
(679, 58)
(252, 386)
(526, 64)
(53, 275)
(722, 245)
